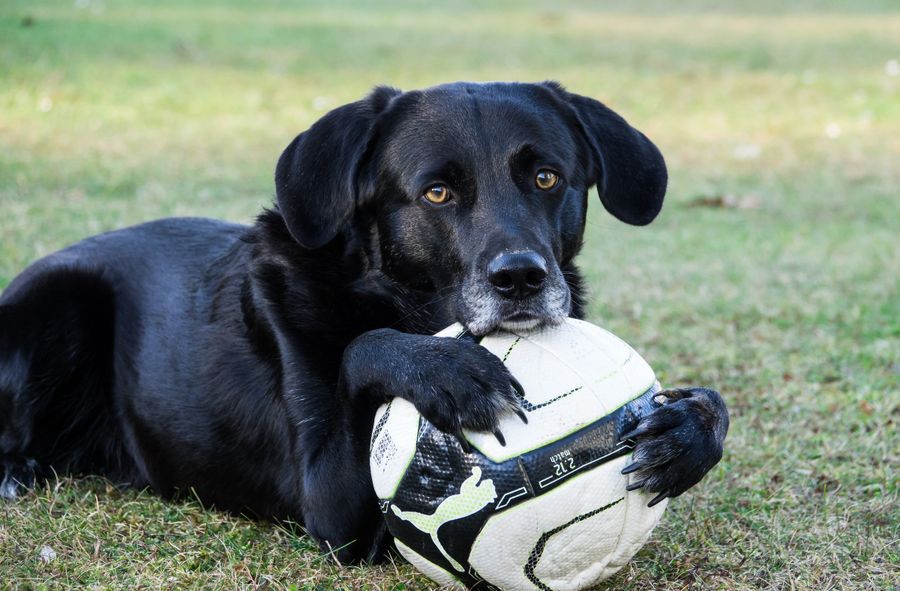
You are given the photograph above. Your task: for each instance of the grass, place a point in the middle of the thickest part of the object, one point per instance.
(117, 112)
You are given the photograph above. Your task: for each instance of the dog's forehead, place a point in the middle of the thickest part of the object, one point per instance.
(483, 121)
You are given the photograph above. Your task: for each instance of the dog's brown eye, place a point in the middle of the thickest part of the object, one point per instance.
(546, 180)
(437, 194)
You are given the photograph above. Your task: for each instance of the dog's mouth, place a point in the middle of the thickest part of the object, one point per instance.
(523, 321)
(519, 320)
(482, 311)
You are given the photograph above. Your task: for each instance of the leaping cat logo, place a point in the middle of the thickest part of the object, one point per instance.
(472, 498)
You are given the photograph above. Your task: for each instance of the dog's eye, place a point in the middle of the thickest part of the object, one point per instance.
(546, 179)
(437, 194)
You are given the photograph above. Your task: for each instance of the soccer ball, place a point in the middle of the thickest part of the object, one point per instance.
(547, 511)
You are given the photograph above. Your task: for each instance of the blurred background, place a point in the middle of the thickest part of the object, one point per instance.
(772, 273)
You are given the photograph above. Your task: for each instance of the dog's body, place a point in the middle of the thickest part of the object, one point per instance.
(246, 363)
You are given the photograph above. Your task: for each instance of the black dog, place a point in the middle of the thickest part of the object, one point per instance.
(246, 363)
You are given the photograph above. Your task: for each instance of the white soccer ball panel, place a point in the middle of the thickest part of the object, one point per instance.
(452, 331)
(640, 520)
(393, 445)
(428, 568)
(555, 567)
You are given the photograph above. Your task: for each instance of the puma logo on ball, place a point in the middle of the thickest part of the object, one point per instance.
(472, 498)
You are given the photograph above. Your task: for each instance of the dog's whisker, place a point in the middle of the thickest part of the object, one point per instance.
(440, 295)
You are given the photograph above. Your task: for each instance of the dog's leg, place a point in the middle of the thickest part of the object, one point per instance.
(454, 383)
(678, 443)
(17, 471)
(55, 379)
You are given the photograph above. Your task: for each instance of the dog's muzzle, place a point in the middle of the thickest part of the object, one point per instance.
(518, 290)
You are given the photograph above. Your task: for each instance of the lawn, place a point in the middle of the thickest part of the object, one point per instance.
(772, 273)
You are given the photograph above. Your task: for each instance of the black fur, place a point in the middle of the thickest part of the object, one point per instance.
(246, 363)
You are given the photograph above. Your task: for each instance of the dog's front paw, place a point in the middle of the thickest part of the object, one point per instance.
(454, 383)
(678, 443)
(461, 385)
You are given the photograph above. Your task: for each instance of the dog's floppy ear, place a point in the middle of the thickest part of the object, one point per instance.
(316, 176)
(627, 168)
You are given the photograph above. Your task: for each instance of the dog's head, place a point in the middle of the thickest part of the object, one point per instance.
(477, 192)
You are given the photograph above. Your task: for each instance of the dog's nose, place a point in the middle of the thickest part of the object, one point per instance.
(517, 275)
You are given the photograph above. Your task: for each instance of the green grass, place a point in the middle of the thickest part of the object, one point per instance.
(117, 112)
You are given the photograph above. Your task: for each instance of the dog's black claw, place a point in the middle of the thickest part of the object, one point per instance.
(517, 386)
(463, 443)
(500, 437)
(630, 435)
(658, 498)
(641, 431)
(521, 414)
(635, 485)
(632, 467)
